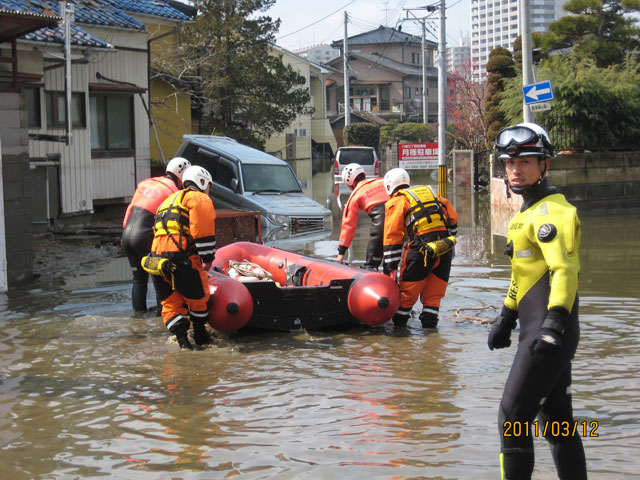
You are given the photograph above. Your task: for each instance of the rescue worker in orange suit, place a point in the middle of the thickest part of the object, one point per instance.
(542, 242)
(430, 224)
(137, 235)
(185, 234)
(368, 195)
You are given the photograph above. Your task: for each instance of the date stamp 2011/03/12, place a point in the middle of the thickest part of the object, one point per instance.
(555, 429)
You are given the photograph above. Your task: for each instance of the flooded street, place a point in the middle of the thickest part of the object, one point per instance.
(88, 391)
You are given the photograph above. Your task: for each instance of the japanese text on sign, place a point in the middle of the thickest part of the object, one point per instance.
(418, 155)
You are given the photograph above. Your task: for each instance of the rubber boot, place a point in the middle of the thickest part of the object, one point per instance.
(179, 329)
(400, 319)
(200, 334)
(429, 319)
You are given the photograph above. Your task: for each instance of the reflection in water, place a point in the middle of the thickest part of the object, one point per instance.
(86, 390)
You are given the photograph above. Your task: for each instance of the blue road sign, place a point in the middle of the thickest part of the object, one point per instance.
(537, 92)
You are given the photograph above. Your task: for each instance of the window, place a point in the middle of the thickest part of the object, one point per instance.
(227, 172)
(32, 99)
(111, 121)
(415, 58)
(407, 92)
(56, 110)
(269, 178)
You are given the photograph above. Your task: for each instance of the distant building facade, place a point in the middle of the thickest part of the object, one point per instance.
(318, 53)
(459, 57)
(496, 23)
(385, 76)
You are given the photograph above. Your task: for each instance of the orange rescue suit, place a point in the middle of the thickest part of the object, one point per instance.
(422, 216)
(367, 194)
(186, 234)
(149, 195)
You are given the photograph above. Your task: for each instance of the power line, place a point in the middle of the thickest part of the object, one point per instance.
(316, 22)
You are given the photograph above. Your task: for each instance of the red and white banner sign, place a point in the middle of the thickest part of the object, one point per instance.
(418, 155)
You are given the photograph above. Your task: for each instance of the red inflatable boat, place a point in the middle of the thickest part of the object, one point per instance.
(305, 292)
(232, 304)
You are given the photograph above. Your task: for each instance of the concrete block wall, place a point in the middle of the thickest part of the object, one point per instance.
(590, 181)
(17, 188)
(601, 180)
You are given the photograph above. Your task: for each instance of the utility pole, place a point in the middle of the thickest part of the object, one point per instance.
(425, 108)
(345, 55)
(442, 101)
(422, 20)
(66, 12)
(527, 61)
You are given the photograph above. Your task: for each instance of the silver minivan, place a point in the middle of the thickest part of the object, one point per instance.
(365, 156)
(248, 179)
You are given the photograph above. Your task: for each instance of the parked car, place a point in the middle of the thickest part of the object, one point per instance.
(248, 179)
(365, 156)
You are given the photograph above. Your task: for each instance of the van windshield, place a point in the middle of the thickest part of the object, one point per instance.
(269, 179)
(363, 157)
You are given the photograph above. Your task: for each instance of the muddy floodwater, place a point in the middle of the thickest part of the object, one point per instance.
(89, 391)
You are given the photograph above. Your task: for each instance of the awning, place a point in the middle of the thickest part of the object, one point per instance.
(115, 88)
(14, 24)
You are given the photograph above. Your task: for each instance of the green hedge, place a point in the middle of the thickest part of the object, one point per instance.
(367, 134)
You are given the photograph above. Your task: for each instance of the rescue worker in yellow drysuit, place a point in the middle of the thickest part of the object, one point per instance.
(185, 234)
(367, 194)
(430, 222)
(542, 242)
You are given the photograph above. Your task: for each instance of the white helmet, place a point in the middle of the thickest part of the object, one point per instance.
(394, 178)
(523, 140)
(177, 166)
(351, 172)
(197, 176)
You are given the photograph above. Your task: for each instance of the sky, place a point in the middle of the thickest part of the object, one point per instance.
(306, 22)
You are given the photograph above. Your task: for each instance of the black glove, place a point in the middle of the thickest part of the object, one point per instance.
(549, 338)
(500, 334)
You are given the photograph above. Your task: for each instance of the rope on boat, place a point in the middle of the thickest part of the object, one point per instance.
(247, 271)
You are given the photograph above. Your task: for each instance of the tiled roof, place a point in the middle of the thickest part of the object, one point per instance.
(79, 37)
(157, 8)
(90, 12)
(108, 13)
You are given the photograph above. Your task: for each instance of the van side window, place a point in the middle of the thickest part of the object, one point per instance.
(227, 171)
(202, 157)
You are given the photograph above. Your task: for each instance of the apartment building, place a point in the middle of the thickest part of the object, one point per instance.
(496, 23)
(318, 53)
(459, 57)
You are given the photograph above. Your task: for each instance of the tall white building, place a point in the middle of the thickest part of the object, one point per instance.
(496, 23)
(318, 53)
(459, 57)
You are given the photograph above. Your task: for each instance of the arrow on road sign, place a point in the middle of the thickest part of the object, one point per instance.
(534, 92)
(537, 92)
